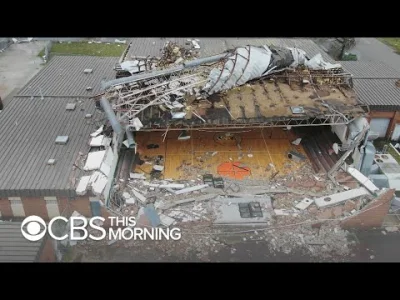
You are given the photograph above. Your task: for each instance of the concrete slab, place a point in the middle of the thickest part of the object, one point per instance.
(303, 204)
(338, 198)
(227, 211)
(361, 178)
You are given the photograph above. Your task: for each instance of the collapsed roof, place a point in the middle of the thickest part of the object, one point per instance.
(248, 85)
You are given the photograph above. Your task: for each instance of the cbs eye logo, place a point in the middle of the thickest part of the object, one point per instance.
(33, 231)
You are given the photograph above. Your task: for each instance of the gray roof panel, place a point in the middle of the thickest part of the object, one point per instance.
(213, 46)
(14, 247)
(375, 83)
(63, 76)
(27, 146)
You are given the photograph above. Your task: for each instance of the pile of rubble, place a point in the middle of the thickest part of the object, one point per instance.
(173, 53)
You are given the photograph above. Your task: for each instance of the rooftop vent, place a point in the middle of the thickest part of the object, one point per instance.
(70, 106)
(88, 71)
(62, 139)
(51, 161)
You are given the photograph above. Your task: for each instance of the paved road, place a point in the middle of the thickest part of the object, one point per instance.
(371, 49)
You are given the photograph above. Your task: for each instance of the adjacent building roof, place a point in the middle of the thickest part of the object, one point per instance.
(64, 76)
(14, 247)
(213, 46)
(375, 84)
(29, 128)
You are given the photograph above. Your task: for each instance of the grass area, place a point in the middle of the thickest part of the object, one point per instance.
(392, 42)
(393, 153)
(84, 48)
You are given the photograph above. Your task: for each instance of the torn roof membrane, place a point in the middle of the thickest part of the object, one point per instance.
(276, 78)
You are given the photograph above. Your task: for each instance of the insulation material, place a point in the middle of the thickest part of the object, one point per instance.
(299, 57)
(134, 66)
(94, 177)
(250, 62)
(109, 157)
(105, 169)
(82, 185)
(97, 132)
(99, 185)
(97, 141)
(94, 160)
(318, 63)
(137, 124)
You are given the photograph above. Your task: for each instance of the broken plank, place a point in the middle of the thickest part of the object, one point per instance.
(191, 189)
(184, 201)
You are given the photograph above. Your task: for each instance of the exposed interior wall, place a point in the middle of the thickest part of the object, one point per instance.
(46, 209)
(394, 117)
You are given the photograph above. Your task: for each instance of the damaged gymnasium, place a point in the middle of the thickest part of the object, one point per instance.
(255, 135)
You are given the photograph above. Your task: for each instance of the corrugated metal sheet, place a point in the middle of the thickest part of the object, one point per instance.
(369, 69)
(375, 84)
(64, 76)
(14, 247)
(378, 92)
(28, 132)
(213, 46)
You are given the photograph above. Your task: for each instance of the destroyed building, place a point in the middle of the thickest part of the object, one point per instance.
(224, 131)
(260, 111)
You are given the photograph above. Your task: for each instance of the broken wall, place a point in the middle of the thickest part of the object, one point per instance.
(373, 214)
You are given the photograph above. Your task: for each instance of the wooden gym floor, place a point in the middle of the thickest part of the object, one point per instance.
(204, 152)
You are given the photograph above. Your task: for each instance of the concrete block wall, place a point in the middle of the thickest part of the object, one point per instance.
(373, 214)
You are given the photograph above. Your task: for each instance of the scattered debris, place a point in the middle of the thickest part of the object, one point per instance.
(94, 160)
(304, 204)
(392, 229)
(191, 189)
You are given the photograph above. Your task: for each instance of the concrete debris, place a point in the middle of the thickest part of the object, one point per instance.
(172, 186)
(338, 198)
(361, 178)
(191, 189)
(94, 160)
(392, 229)
(88, 116)
(166, 220)
(139, 196)
(165, 206)
(137, 176)
(304, 204)
(282, 212)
